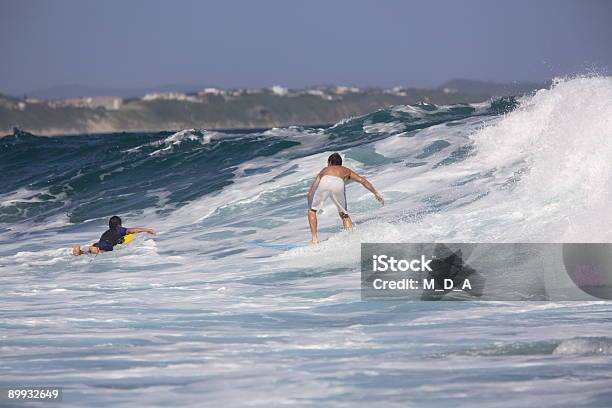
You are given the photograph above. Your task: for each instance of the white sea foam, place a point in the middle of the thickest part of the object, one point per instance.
(204, 137)
(390, 127)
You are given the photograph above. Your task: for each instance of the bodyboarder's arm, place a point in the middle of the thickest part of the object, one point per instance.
(137, 230)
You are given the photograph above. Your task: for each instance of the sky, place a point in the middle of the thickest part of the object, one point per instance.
(230, 43)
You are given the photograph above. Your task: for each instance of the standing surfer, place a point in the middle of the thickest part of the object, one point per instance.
(330, 183)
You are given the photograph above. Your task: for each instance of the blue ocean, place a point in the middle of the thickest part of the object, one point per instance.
(201, 316)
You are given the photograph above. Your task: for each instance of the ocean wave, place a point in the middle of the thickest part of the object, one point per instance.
(479, 167)
(584, 346)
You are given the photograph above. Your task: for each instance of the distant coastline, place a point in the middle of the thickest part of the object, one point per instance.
(214, 108)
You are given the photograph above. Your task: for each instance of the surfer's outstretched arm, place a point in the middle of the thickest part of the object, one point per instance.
(367, 185)
(137, 230)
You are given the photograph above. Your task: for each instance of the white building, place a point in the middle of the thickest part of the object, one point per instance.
(169, 96)
(320, 93)
(342, 90)
(398, 90)
(211, 91)
(93, 102)
(279, 90)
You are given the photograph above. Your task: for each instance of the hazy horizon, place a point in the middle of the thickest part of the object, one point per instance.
(136, 91)
(240, 44)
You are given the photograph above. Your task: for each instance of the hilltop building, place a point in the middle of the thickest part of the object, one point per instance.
(94, 102)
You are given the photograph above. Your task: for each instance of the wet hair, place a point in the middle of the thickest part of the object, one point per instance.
(334, 160)
(114, 222)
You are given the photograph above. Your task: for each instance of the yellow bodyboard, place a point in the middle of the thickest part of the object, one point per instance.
(128, 238)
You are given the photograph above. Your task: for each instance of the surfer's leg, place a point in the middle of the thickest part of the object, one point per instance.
(312, 220)
(338, 196)
(346, 221)
(91, 249)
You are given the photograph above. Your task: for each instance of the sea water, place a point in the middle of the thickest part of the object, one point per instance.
(199, 316)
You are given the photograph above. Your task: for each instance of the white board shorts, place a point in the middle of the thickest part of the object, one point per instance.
(330, 187)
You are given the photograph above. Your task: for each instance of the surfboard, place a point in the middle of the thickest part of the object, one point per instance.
(127, 238)
(278, 246)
